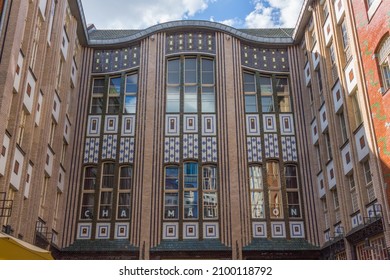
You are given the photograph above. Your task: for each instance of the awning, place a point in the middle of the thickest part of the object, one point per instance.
(12, 248)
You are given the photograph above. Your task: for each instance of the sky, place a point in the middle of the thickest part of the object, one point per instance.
(141, 14)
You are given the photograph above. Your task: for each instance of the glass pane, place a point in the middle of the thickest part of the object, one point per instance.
(97, 105)
(130, 104)
(210, 205)
(98, 86)
(207, 72)
(267, 104)
(208, 100)
(105, 212)
(115, 86)
(87, 212)
(131, 83)
(209, 178)
(265, 85)
(282, 86)
(173, 99)
(171, 178)
(113, 105)
(250, 104)
(171, 210)
(174, 71)
(124, 199)
(123, 212)
(284, 104)
(275, 204)
(273, 175)
(190, 205)
(88, 199)
(190, 103)
(191, 175)
(190, 71)
(291, 177)
(257, 202)
(249, 83)
(256, 178)
(125, 179)
(106, 198)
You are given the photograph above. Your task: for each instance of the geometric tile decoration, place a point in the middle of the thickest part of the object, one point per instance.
(350, 77)
(252, 125)
(297, 230)
(84, 231)
(122, 230)
(328, 31)
(115, 60)
(361, 144)
(254, 149)
(190, 124)
(103, 231)
(172, 125)
(347, 158)
(339, 10)
(109, 146)
(265, 59)
(91, 152)
(323, 118)
(190, 230)
(289, 149)
(190, 42)
(271, 145)
(210, 230)
(209, 149)
(111, 124)
(126, 150)
(172, 149)
(128, 125)
(269, 123)
(170, 230)
(286, 124)
(337, 97)
(93, 126)
(338, 230)
(208, 125)
(331, 175)
(314, 132)
(278, 229)
(356, 220)
(190, 146)
(307, 74)
(259, 229)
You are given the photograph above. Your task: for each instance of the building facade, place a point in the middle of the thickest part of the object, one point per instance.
(192, 139)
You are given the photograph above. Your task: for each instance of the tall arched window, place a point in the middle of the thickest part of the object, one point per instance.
(124, 192)
(274, 190)
(190, 192)
(256, 192)
(171, 195)
(292, 187)
(210, 192)
(106, 190)
(88, 196)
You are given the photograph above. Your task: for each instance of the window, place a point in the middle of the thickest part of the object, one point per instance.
(318, 152)
(190, 85)
(320, 85)
(190, 175)
(173, 86)
(291, 177)
(370, 2)
(52, 132)
(42, 200)
(283, 95)
(250, 93)
(367, 172)
(114, 91)
(356, 109)
(208, 86)
(256, 192)
(326, 11)
(274, 190)
(22, 126)
(97, 96)
(106, 189)
(332, 55)
(63, 152)
(131, 90)
(343, 127)
(335, 199)
(328, 145)
(124, 192)
(344, 35)
(267, 100)
(384, 61)
(35, 43)
(311, 98)
(171, 187)
(210, 195)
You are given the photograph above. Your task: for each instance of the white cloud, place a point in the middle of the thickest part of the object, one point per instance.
(266, 11)
(140, 14)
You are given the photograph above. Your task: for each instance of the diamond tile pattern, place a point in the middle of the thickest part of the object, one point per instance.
(126, 150)
(254, 149)
(91, 151)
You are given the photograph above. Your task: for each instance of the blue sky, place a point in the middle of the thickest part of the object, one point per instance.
(135, 14)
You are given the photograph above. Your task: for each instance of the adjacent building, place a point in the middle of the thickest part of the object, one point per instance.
(192, 139)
